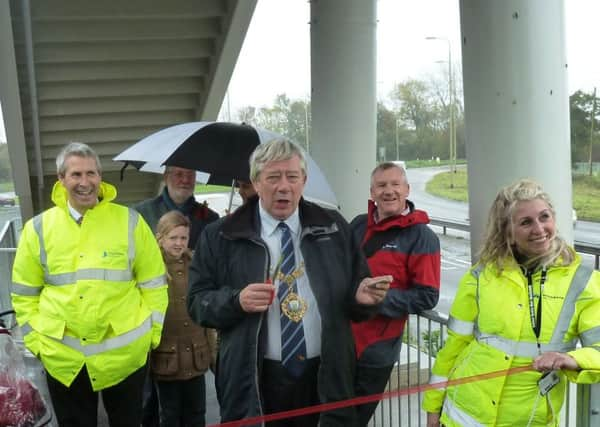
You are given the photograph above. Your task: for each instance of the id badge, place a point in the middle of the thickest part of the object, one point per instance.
(548, 381)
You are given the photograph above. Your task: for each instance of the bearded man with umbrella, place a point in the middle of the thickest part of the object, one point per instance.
(281, 278)
(178, 194)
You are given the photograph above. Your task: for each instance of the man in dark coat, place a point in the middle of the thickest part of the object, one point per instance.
(242, 283)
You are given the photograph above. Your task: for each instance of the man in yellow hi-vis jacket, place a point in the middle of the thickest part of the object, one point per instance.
(90, 294)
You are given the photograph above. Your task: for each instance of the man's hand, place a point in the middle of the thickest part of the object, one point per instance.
(256, 297)
(372, 290)
(433, 420)
(553, 360)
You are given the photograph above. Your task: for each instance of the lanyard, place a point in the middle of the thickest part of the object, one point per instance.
(536, 320)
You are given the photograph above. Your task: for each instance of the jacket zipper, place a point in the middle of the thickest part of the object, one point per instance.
(260, 320)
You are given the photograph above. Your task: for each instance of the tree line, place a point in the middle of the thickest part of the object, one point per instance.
(414, 122)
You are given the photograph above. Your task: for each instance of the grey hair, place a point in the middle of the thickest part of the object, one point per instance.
(273, 151)
(78, 149)
(388, 165)
(499, 241)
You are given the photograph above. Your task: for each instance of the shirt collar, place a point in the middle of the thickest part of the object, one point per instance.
(74, 212)
(405, 212)
(269, 224)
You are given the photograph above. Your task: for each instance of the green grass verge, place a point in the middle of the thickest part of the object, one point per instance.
(5, 187)
(208, 188)
(586, 197)
(440, 185)
(586, 192)
(431, 163)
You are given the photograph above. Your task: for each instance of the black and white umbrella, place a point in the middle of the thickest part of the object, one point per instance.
(220, 149)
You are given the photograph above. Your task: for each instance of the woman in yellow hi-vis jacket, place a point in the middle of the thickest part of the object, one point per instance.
(90, 294)
(498, 321)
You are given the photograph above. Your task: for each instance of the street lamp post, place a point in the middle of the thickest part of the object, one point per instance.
(397, 141)
(451, 125)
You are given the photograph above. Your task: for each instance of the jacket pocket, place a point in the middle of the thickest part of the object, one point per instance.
(48, 326)
(165, 361)
(201, 356)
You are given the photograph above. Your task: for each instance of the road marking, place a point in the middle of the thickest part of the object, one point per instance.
(453, 264)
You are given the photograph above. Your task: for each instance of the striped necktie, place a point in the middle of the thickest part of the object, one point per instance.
(293, 347)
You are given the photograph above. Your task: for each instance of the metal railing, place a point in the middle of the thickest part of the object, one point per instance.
(424, 335)
(9, 236)
(582, 247)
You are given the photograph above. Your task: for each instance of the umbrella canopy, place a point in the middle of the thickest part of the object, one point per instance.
(220, 149)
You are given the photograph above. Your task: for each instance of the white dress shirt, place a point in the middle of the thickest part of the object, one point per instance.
(312, 319)
(74, 212)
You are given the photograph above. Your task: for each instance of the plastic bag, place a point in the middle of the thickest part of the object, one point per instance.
(21, 404)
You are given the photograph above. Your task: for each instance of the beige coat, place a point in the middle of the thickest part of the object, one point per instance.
(186, 350)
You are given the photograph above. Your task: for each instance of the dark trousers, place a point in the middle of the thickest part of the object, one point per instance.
(368, 381)
(281, 392)
(182, 403)
(77, 405)
(149, 403)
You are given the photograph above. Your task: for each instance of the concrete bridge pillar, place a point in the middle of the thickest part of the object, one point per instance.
(516, 103)
(344, 105)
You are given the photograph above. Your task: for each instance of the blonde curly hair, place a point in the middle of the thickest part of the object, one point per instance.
(498, 247)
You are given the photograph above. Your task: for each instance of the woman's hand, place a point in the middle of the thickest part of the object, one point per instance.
(433, 419)
(553, 360)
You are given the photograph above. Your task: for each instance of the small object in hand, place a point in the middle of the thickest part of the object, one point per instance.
(548, 381)
(378, 285)
(272, 291)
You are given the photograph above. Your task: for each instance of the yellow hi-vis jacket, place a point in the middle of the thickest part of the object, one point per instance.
(92, 294)
(490, 329)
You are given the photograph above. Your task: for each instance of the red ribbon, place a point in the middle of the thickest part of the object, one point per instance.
(372, 398)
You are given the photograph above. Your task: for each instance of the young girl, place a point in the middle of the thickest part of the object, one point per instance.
(186, 350)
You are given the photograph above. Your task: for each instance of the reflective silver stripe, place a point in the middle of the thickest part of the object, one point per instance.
(158, 317)
(520, 348)
(460, 326)
(459, 416)
(111, 343)
(436, 379)
(578, 284)
(89, 274)
(153, 283)
(38, 227)
(27, 291)
(529, 349)
(133, 220)
(26, 328)
(590, 337)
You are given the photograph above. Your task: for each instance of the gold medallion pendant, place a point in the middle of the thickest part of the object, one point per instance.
(294, 307)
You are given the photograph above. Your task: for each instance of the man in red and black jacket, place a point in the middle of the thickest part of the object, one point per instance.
(396, 240)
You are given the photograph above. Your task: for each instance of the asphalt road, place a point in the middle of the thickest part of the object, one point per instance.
(456, 253)
(585, 231)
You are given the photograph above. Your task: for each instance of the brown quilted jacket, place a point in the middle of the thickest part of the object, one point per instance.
(186, 350)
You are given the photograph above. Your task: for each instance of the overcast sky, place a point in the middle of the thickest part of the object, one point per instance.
(276, 51)
(275, 57)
